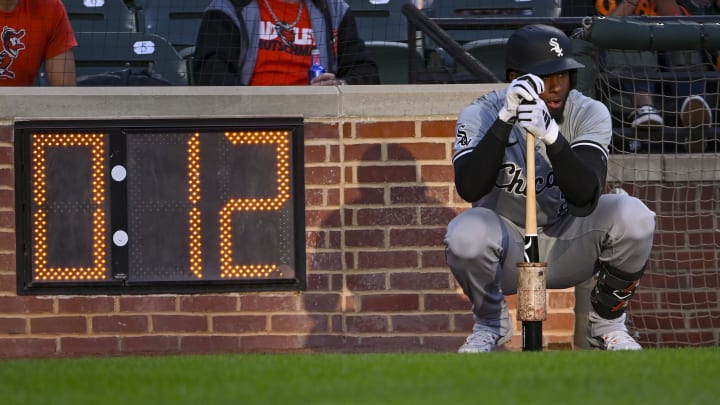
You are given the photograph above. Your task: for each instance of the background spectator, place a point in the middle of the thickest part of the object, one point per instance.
(268, 42)
(36, 33)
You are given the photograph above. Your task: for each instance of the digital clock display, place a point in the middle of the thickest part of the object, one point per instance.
(135, 206)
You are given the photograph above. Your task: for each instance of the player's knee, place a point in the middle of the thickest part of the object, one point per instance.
(470, 233)
(638, 219)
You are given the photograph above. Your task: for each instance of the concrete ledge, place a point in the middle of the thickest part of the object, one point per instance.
(310, 102)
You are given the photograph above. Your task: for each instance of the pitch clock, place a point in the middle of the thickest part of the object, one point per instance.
(150, 205)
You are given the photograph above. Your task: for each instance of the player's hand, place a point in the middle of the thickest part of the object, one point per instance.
(535, 118)
(525, 88)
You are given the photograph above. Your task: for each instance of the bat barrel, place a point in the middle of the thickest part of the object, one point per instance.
(532, 305)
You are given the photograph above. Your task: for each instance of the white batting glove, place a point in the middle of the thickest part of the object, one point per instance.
(525, 88)
(535, 118)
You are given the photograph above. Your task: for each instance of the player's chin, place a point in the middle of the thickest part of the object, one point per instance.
(557, 113)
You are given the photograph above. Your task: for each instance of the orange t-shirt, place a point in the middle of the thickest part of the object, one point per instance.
(277, 63)
(35, 31)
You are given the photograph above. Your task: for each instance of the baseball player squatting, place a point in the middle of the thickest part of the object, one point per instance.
(581, 231)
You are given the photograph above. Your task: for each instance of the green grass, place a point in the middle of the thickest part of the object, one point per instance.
(660, 376)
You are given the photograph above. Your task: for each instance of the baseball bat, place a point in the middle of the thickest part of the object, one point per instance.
(531, 274)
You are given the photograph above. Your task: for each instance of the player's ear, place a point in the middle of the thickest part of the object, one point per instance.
(512, 75)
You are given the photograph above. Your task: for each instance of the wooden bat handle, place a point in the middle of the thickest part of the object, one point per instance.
(530, 201)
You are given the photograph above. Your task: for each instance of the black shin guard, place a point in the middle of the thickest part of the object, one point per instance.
(613, 290)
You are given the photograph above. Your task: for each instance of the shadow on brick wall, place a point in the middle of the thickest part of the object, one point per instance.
(393, 288)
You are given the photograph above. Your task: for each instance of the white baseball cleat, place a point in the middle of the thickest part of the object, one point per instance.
(483, 341)
(610, 334)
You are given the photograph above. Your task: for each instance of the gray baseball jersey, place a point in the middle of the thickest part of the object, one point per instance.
(587, 122)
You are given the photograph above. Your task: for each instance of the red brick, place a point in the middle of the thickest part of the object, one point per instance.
(120, 324)
(313, 303)
(464, 322)
(7, 260)
(418, 151)
(322, 218)
(149, 344)
(7, 283)
(386, 174)
(386, 216)
(7, 219)
(303, 323)
(392, 129)
(659, 321)
(314, 197)
(420, 323)
(269, 303)
(559, 321)
(179, 323)
(446, 302)
(433, 258)
(419, 281)
(12, 326)
(208, 303)
(7, 134)
(436, 216)
(561, 299)
(366, 282)
(417, 237)
(318, 282)
(316, 130)
(322, 175)
(440, 129)
(388, 260)
(315, 154)
(89, 346)
(365, 238)
(704, 320)
(59, 324)
(7, 198)
(78, 305)
(367, 324)
(333, 197)
(209, 344)
(6, 155)
(323, 239)
(149, 304)
(27, 348)
(390, 302)
(325, 343)
(437, 173)
(418, 195)
(27, 305)
(272, 343)
(239, 323)
(324, 261)
(7, 176)
(364, 195)
(387, 343)
(363, 152)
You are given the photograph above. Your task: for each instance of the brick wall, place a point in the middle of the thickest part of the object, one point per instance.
(378, 197)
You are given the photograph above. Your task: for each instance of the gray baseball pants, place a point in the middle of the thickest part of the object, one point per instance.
(483, 250)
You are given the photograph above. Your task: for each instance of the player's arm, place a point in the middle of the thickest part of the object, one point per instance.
(60, 69)
(476, 169)
(580, 173)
